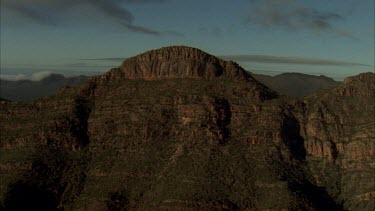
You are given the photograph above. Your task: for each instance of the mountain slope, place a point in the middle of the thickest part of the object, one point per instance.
(177, 128)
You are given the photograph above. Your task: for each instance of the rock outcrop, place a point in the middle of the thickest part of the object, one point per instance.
(363, 77)
(359, 85)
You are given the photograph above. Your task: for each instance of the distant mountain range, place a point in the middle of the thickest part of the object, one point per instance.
(296, 84)
(291, 84)
(25, 90)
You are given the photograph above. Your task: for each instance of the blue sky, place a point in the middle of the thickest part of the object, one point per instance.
(334, 38)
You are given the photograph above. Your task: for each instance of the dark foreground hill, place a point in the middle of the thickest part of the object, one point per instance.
(296, 84)
(25, 90)
(179, 129)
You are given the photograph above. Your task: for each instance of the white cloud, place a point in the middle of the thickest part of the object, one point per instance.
(40, 75)
(33, 77)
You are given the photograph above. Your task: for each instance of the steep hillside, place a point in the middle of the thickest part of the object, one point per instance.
(296, 84)
(179, 129)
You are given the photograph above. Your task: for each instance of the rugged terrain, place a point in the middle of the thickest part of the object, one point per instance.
(296, 84)
(179, 129)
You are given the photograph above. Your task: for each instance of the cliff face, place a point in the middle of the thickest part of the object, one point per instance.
(342, 115)
(177, 128)
(340, 130)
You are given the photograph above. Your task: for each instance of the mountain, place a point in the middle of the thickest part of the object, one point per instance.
(296, 84)
(179, 129)
(26, 90)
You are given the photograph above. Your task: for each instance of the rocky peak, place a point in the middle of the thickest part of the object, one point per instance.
(363, 77)
(359, 85)
(177, 62)
(173, 52)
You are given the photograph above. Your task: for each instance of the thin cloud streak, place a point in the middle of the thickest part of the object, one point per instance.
(38, 76)
(54, 12)
(104, 59)
(294, 15)
(289, 60)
